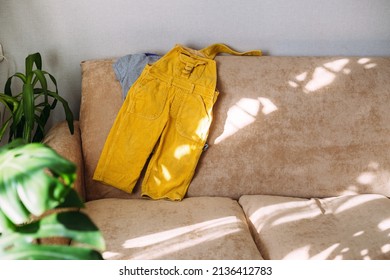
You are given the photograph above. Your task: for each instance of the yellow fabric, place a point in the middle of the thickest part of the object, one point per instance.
(168, 111)
(213, 50)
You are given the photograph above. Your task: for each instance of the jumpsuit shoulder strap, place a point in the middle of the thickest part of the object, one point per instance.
(212, 50)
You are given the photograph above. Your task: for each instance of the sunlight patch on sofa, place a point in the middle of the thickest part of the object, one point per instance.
(305, 253)
(323, 255)
(297, 216)
(321, 76)
(359, 233)
(282, 213)
(385, 248)
(167, 242)
(154, 238)
(351, 202)
(337, 65)
(365, 254)
(299, 253)
(267, 105)
(244, 113)
(366, 178)
(384, 225)
(366, 62)
(111, 255)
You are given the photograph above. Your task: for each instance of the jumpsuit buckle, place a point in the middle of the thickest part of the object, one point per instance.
(188, 68)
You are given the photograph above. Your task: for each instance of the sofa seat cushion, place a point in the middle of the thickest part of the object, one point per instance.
(195, 228)
(346, 227)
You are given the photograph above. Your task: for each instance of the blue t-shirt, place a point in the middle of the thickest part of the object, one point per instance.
(129, 67)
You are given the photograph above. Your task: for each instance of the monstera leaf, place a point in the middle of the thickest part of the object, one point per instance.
(37, 202)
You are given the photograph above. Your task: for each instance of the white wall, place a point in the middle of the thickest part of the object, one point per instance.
(68, 31)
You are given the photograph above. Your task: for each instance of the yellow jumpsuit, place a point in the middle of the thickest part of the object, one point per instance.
(168, 111)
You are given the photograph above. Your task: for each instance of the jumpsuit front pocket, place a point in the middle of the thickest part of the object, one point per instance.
(194, 117)
(149, 97)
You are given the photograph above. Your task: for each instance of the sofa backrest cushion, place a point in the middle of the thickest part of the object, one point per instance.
(101, 100)
(291, 126)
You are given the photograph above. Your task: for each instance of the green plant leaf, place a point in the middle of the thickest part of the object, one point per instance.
(11, 205)
(74, 225)
(28, 111)
(7, 87)
(4, 128)
(72, 200)
(41, 120)
(33, 179)
(50, 252)
(24, 123)
(56, 92)
(5, 224)
(30, 61)
(41, 78)
(17, 121)
(9, 101)
(68, 112)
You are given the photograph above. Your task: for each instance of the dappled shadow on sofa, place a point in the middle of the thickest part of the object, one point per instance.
(298, 127)
(345, 227)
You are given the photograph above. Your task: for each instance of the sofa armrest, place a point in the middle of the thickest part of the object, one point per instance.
(69, 146)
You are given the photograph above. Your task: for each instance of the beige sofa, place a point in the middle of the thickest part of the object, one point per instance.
(298, 165)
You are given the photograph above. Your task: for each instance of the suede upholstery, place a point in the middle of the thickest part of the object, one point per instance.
(306, 127)
(329, 228)
(195, 228)
(69, 146)
(301, 142)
